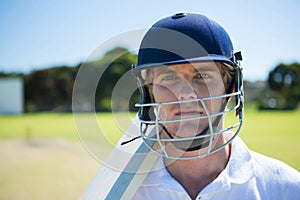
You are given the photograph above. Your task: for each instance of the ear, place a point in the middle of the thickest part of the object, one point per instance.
(146, 112)
(231, 88)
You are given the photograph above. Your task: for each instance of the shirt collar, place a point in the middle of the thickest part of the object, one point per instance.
(238, 170)
(240, 167)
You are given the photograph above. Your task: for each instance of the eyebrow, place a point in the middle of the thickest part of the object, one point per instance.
(167, 70)
(163, 70)
(205, 68)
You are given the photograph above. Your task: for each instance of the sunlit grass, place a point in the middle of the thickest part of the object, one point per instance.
(274, 133)
(60, 125)
(36, 126)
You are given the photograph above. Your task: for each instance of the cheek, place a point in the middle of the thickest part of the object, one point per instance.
(209, 90)
(162, 94)
(212, 88)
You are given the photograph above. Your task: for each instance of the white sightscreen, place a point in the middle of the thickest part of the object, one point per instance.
(11, 96)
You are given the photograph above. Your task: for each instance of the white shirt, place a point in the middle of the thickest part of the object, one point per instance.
(248, 176)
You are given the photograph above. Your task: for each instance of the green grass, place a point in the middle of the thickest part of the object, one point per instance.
(274, 133)
(46, 169)
(60, 125)
(37, 126)
(41, 156)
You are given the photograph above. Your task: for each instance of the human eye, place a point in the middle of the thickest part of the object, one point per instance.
(201, 75)
(166, 79)
(169, 77)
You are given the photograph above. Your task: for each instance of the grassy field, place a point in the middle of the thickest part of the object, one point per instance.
(274, 133)
(42, 157)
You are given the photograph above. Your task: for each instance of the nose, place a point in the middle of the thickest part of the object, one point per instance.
(186, 91)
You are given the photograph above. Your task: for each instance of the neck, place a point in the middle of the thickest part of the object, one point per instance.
(195, 174)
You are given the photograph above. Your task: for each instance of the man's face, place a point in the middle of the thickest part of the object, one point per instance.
(185, 82)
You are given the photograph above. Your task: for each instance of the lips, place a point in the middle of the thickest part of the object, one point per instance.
(188, 113)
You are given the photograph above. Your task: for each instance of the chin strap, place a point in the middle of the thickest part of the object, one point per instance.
(192, 144)
(189, 145)
(130, 140)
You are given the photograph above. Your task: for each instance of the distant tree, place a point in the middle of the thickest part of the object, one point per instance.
(49, 89)
(108, 69)
(284, 85)
(118, 62)
(10, 74)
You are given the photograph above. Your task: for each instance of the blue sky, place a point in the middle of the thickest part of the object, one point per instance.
(37, 34)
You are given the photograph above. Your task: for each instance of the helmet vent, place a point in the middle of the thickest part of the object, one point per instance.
(178, 15)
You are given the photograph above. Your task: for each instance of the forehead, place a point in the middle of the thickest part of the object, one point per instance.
(186, 68)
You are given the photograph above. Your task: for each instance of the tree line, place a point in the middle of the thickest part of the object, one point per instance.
(283, 89)
(51, 89)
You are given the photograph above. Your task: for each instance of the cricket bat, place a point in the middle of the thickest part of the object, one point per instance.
(123, 171)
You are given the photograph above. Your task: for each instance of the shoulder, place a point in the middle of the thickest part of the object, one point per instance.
(268, 177)
(274, 175)
(265, 165)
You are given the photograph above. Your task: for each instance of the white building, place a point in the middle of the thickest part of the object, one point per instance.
(11, 96)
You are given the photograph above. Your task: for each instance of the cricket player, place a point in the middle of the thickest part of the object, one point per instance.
(190, 78)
